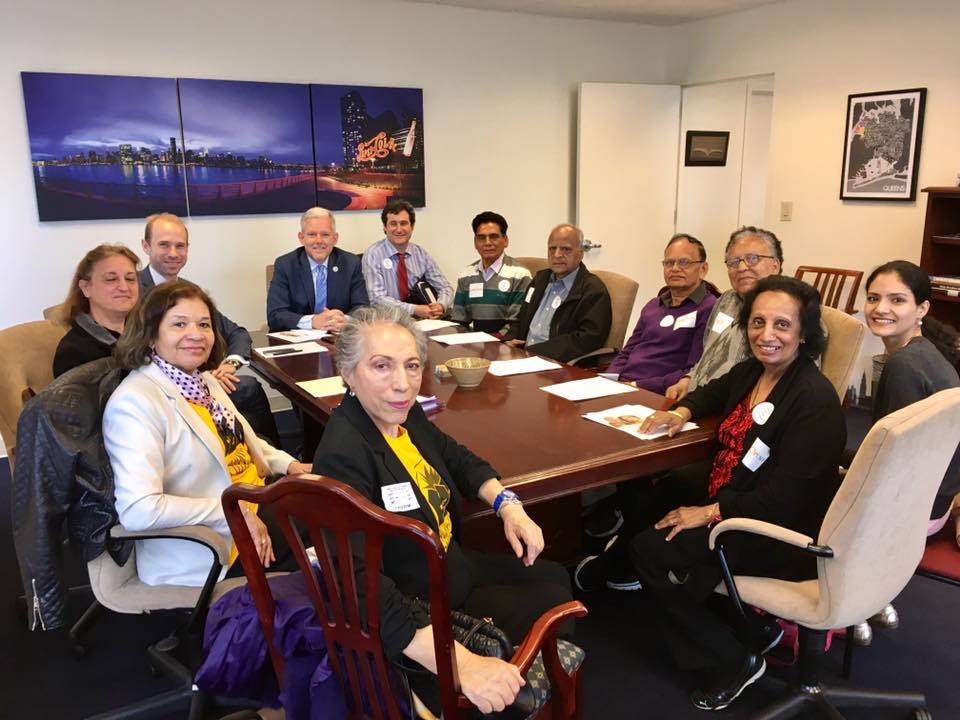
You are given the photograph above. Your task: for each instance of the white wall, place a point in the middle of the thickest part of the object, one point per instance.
(820, 51)
(499, 117)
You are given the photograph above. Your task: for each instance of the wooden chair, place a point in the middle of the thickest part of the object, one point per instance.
(26, 363)
(832, 284)
(332, 512)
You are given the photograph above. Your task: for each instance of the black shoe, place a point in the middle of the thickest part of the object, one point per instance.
(603, 521)
(623, 577)
(591, 573)
(769, 636)
(718, 698)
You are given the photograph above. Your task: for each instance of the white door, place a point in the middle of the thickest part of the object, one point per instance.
(627, 178)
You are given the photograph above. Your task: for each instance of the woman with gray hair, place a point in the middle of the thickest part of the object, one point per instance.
(380, 437)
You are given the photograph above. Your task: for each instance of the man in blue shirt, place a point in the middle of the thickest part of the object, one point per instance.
(394, 265)
(316, 284)
(567, 311)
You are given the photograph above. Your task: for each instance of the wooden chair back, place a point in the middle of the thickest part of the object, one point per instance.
(269, 276)
(836, 285)
(346, 529)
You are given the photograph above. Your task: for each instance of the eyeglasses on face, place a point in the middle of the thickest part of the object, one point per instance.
(750, 260)
(683, 263)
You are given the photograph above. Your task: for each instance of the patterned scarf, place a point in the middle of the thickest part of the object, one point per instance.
(195, 390)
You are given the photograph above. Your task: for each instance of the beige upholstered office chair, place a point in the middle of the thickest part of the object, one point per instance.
(269, 274)
(56, 313)
(870, 543)
(845, 336)
(623, 293)
(26, 361)
(533, 264)
(838, 287)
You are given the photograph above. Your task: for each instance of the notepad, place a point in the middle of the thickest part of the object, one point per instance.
(519, 366)
(324, 387)
(627, 418)
(587, 389)
(464, 338)
(429, 324)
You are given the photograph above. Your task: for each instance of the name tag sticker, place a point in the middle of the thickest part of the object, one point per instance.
(666, 321)
(686, 321)
(336, 269)
(556, 302)
(503, 285)
(762, 413)
(388, 263)
(476, 290)
(721, 322)
(757, 455)
(529, 294)
(399, 497)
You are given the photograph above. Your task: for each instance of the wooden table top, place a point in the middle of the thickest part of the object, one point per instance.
(538, 442)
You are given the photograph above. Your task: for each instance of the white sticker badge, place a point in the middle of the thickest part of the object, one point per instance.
(388, 264)
(399, 497)
(556, 302)
(762, 413)
(503, 285)
(476, 290)
(721, 322)
(686, 321)
(666, 321)
(336, 269)
(529, 294)
(757, 455)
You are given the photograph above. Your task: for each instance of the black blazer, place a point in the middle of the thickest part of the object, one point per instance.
(580, 325)
(354, 451)
(806, 434)
(292, 292)
(236, 337)
(77, 348)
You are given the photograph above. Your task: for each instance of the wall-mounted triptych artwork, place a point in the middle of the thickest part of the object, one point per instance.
(105, 146)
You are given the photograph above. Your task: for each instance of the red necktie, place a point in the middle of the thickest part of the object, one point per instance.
(402, 287)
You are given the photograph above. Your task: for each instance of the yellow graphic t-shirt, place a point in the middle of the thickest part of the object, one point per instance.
(431, 485)
(239, 463)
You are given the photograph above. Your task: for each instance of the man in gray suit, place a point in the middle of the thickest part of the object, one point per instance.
(166, 243)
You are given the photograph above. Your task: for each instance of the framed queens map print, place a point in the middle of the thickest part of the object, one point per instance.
(881, 149)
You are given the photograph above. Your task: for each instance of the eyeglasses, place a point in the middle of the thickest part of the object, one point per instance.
(750, 260)
(683, 263)
(317, 235)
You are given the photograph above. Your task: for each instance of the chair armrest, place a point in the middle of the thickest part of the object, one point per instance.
(760, 527)
(195, 533)
(596, 353)
(543, 629)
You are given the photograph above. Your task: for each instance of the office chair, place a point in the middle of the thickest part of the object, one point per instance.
(332, 511)
(844, 338)
(869, 544)
(533, 264)
(623, 293)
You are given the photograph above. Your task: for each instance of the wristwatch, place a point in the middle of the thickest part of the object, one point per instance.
(236, 364)
(505, 497)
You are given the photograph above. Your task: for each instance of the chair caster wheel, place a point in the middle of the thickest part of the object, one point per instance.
(922, 714)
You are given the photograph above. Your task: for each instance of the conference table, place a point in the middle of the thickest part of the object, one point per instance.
(540, 443)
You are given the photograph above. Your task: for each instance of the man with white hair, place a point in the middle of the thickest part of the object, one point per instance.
(315, 285)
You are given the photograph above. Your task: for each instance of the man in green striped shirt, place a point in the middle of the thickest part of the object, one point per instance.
(491, 290)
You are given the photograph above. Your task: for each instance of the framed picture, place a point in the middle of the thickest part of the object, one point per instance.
(881, 147)
(706, 148)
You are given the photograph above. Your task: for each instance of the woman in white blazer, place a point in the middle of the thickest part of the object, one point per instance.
(176, 441)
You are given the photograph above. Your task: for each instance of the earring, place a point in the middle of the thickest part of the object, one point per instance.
(919, 323)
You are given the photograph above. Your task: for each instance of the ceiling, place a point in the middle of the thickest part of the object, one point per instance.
(651, 12)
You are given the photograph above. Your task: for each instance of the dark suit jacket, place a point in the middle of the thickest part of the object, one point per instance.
(806, 434)
(292, 292)
(580, 325)
(354, 451)
(236, 337)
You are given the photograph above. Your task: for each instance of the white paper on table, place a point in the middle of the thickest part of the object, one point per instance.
(588, 389)
(464, 338)
(627, 418)
(324, 387)
(303, 348)
(610, 376)
(519, 366)
(428, 324)
(298, 335)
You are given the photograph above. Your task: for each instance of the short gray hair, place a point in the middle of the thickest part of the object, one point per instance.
(350, 345)
(772, 241)
(318, 212)
(580, 237)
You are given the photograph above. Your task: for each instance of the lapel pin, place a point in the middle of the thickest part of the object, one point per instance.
(336, 269)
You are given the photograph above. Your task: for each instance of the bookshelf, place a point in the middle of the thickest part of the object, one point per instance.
(940, 253)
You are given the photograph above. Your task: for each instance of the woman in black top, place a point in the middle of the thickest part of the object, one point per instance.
(104, 289)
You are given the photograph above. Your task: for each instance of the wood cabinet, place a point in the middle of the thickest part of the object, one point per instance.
(940, 254)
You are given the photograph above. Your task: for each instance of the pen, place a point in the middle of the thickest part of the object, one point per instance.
(283, 351)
